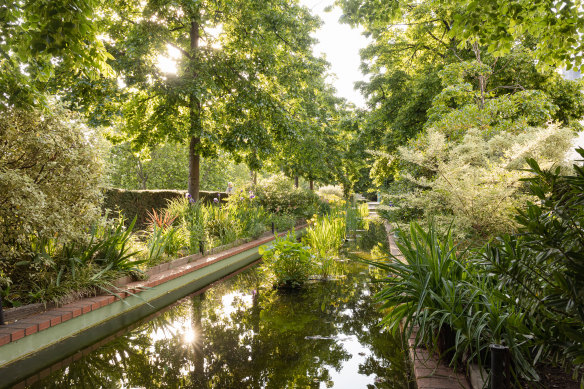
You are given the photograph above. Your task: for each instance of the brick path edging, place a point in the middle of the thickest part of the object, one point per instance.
(168, 271)
(429, 371)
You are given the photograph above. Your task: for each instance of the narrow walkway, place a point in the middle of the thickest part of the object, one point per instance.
(372, 205)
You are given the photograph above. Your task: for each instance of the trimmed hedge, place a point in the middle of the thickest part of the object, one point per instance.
(138, 202)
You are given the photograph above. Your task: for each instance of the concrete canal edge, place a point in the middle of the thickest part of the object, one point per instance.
(42, 340)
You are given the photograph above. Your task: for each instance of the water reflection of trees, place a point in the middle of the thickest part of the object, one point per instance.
(264, 339)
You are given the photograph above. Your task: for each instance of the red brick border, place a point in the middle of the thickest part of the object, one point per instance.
(429, 371)
(50, 318)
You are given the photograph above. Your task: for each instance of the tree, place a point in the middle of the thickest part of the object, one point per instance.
(238, 85)
(412, 43)
(40, 35)
(315, 153)
(556, 26)
(409, 46)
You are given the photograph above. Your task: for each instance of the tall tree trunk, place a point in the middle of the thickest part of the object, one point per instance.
(195, 118)
(194, 171)
(296, 181)
(255, 177)
(311, 184)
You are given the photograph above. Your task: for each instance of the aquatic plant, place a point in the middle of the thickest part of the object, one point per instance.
(289, 263)
(325, 235)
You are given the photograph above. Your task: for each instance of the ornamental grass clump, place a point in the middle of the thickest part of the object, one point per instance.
(190, 218)
(63, 272)
(325, 236)
(164, 239)
(221, 226)
(456, 305)
(289, 263)
(251, 216)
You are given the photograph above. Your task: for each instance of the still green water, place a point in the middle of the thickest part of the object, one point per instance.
(240, 333)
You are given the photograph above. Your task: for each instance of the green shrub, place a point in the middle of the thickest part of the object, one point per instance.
(475, 179)
(249, 213)
(278, 195)
(283, 221)
(541, 269)
(50, 175)
(331, 190)
(288, 262)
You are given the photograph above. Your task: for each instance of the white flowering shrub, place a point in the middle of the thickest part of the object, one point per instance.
(331, 190)
(475, 183)
(49, 181)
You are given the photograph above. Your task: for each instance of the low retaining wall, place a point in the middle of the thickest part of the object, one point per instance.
(42, 340)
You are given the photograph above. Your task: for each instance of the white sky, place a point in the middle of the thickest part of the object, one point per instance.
(340, 44)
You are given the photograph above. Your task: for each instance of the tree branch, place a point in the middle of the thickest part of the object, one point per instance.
(515, 87)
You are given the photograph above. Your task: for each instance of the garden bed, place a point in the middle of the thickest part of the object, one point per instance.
(18, 313)
(430, 372)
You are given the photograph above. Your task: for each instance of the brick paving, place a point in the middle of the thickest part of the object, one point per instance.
(430, 373)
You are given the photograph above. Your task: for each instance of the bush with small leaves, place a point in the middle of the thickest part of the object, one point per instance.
(50, 179)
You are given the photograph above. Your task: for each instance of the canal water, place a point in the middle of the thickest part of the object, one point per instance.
(241, 333)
